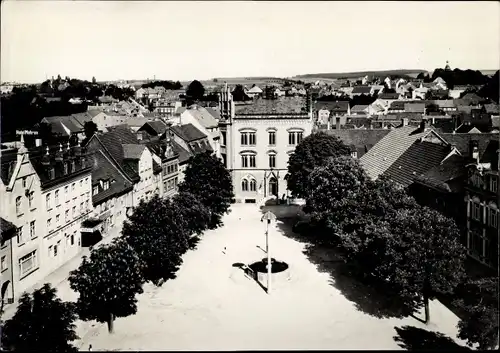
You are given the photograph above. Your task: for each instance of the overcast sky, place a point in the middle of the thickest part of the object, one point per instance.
(201, 40)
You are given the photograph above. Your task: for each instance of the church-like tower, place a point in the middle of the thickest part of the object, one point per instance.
(226, 111)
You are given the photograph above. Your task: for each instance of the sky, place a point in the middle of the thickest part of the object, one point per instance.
(201, 40)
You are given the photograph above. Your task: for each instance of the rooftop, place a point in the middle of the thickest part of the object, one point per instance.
(188, 132)
(280, 106)
(441, 175)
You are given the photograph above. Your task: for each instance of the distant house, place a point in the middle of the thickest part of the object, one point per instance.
(359, 90)
(151, 129)
(396, 107)
(360, 109)
(255, 91)
(439, 83)
(358, 140)
(279, 93)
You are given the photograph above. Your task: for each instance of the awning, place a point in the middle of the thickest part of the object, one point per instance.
(90, 225)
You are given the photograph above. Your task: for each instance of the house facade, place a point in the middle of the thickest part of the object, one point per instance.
(258, 140)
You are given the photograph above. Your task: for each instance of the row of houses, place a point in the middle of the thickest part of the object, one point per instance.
(454, 173)
(58, 200)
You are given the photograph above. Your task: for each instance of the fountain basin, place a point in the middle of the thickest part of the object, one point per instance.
(280, 271)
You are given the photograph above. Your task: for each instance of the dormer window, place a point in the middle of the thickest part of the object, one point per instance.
(95, 190)
(72, 166)
(105, 185)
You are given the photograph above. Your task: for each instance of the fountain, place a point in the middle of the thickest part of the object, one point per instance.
(279, 271)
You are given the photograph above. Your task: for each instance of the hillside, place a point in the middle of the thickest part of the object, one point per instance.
(360, 74)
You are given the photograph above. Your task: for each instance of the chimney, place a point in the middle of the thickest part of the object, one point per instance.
(422, 126)
(405, 121)
(38, 142)
(46, 157)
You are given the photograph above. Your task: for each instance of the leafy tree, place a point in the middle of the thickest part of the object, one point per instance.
(90, 128)
(479, 303)
(156, 232)
(196, 215)
(207, 178)
(491, 88)
(42, 322)
(239, 94)
(195, 90)
(108, 283)
(310, 153)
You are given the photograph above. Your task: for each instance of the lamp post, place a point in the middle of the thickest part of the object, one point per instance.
(268, 217)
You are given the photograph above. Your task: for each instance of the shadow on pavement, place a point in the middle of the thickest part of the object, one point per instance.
(417, 339)
(366, 295)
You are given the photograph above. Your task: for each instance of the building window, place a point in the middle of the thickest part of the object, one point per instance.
(55, 249)
(272, 138)
(73, 187)
(3, 265)
(295, 137)
(73, 239)
(18, 205)
(476, 211)
(493, 218)
(56, 196)
(105, 185)
(49, 223)
(65, 168)
(57, 219)
(28, 263)
(19, 235)
(223, 135)
(73, 213)
(354, 154)
(66, 215)
(81, 183)
(272, 161)
(253, 185)
(244, 185)
(47, 201)
(66, 188)
(32, 230)
(248, 138)
(30, 199)
(248, 161)
(493, 184)
(24, 182)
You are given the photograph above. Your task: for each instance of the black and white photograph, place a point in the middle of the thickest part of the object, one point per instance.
(249, 175)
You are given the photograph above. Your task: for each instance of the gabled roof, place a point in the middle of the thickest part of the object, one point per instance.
(389, 96)
(205, 117)
(462, 141)
(184, 155)
(188, 132)
(339, 106)
(64, 125)
(414, 107)
(416, 160)
(444, 103)
(442, 175)
(359, 108)
(362, 89)
(357, 139)
(104, 169)
(132, 151)
(8, 160)
(255, 89)
(472, 97)
(282, 105)
(7, 229)
(391, 147)
(158, 126)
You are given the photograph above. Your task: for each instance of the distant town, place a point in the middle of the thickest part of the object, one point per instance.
(83, 161)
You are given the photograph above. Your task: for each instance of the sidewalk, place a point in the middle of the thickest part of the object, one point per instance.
(59, 277)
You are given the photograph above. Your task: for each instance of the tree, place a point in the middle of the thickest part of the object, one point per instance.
(196, 215)
(207, 179)
(479, 303)
(239, 94)
(156, 231)
(108, 283)
(42, 322)
(491, 88)
(90, 128)
(310, 153)
(195, 90)
(419, 256)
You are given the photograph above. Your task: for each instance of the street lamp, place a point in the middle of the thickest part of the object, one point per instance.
(268, 217)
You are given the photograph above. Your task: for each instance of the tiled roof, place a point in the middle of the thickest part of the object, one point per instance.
(204, 117)
(157, 125)
(132, 151)
(472, 97)
(361, 90)
(495, 121)
(490, 153)
(416, 160)
(282, 105)
(113, 142)
(340, 106)
(156, 167)
(360, 140)
(188, 132)
(378, 159)
(462, 141)
(136, 121)
(7, 229)
(444, 103)
(442, 175)
(388, 96)
(359, 108)
(444, 126)
(397, 105)
(184, 155)
(63, 125)
(465, 108)
(255, 89)
(414, 107)
(104, 169)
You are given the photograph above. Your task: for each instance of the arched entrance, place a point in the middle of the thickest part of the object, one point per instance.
(273, 186)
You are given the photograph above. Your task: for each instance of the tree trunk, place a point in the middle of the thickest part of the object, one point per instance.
(426, 309)
(111, 320)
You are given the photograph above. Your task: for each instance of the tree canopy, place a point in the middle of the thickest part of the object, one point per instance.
(195, 90)
(195, 215)
(207, 179)
(312, 152)
(239, 94)
(42, 322)
(158, 234)
(171, 85)
(491, 88)
(108, 283)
